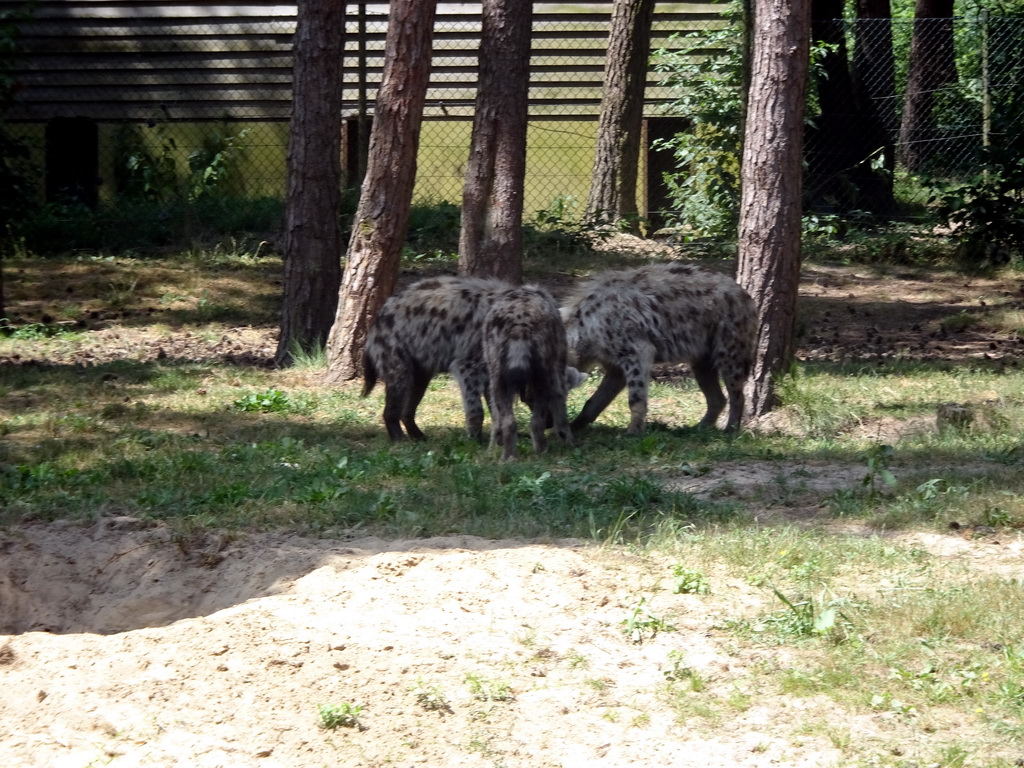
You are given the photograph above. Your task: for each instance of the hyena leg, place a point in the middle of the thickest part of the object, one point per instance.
(734, 383)
(556, 414)
(540, 413)
(503, 421)
(413, 398)
(706, 375)
(395, 398)
(638, 373)
(614, 382)
(472, 383)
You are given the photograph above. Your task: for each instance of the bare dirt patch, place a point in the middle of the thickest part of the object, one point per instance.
(128, 645)
(146, 651)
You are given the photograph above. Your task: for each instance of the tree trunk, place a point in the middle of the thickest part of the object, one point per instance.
(844, 137)
(312, 237)
(382, 217)
(612, 195)
(932, 65)
(829, 146)
(491, 238)
(874, 81)
(769, 231)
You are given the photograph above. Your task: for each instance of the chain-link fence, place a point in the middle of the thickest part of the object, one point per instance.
(196, 104)
(898, 107)
(192, 102)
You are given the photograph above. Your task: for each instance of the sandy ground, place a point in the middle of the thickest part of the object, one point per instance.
(136, 649)
(127, 645)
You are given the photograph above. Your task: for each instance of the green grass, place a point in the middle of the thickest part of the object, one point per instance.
(240, 446)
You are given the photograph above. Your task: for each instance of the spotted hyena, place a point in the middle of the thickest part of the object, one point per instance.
(525, 352)
(626, 321)
(433, 326)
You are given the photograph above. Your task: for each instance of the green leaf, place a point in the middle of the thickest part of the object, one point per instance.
(825, 620)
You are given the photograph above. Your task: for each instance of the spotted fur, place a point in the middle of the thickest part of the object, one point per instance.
(626, 321)
(433, 326)
(525, 352)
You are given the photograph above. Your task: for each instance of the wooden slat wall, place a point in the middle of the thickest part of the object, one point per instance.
(132, 60)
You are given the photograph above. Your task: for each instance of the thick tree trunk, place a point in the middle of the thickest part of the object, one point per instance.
(613, 182)
(769, 232)
(834, 83)
(844, 137)
(491, 238)
(382, 217)
(312, 237)
(932, 65)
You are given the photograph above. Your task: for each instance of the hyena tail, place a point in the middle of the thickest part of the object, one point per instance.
(522, 367)
(369, 374)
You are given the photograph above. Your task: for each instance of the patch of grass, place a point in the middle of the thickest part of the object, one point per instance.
(270, 401)
(214, 284)
(35, 331)
(689, 704)
(687, 581)
(484, 689)
(598, 684)
(642, 624)
(308, 359)
(147, 224)
(961, 321)
(344, 715)
(577, 660)
(1009, 320)
(678, 672)
(431, 697)
(955, 646)
(801, 617)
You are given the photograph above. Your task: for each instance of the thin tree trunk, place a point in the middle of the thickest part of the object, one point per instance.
(874, 81)
(312, 236)
(932, 65)
(769, 231)
(491, 238)
(613, 182)
(382, 217)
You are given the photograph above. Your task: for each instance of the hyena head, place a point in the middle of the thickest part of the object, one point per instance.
(626, 321)
(434, 326)
(525, 351)
(574, 377)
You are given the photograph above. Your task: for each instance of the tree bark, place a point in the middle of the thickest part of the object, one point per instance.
(382, 217)
(613, 182)
(312, 236)
(932, 65)
(769, 231)
(829, 146)
(843, 138)
(874, 80)
(491, 238)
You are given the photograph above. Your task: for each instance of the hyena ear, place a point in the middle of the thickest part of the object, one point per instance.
(574, 377)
